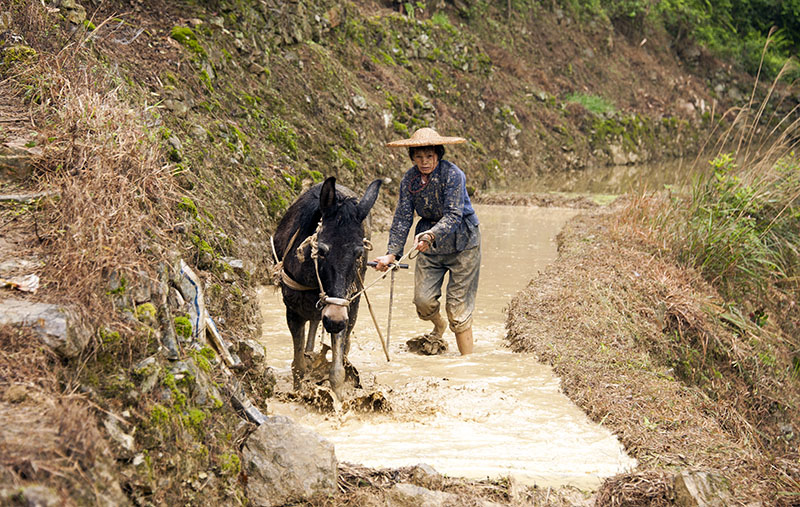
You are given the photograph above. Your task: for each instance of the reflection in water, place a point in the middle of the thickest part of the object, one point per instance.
(492, 413)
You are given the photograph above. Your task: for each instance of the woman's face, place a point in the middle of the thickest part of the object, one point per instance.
(426, 160)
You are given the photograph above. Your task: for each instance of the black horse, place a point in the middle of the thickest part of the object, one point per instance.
(321, 242)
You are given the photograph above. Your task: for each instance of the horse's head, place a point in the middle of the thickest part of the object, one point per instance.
(340, 247)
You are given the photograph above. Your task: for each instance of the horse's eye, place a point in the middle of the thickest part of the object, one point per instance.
(323, 249)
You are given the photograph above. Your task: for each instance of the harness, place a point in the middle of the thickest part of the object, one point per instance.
(280, 274)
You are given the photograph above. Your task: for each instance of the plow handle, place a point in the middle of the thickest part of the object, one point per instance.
(372, 264)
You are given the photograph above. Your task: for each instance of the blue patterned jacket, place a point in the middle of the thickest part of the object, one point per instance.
(443, 206)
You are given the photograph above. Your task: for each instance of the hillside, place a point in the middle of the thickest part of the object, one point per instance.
(139, 134)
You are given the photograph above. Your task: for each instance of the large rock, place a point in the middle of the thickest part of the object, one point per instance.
(285, 462)
(59, 327)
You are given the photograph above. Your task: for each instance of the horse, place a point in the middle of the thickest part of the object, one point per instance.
(320, 247)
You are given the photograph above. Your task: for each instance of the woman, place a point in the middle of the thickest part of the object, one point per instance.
(447, 235)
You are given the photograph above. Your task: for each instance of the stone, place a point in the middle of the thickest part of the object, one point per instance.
(191, 289)
(404, 494)
(252, 351)
(286, 462)
(35, 495)
(360, 102)
(15, 394)
(426, 476)
(117, 435)
(57, 326)
(16, 159)
(701, 489)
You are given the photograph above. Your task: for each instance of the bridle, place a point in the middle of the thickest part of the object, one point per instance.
(313, 243)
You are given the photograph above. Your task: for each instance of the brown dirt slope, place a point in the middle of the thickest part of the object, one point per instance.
(610, 316)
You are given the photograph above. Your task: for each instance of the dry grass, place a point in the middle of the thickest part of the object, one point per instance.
(47, 434)
(116, 194)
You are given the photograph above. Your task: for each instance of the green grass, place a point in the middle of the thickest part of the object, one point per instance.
(592, 103)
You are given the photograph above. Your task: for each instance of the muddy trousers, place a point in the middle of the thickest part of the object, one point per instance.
(464, 268)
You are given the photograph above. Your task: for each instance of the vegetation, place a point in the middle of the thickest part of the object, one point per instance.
(735, 30)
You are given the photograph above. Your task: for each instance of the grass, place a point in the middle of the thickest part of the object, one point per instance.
(592, 103)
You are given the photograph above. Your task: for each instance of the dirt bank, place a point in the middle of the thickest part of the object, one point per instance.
(610, 316)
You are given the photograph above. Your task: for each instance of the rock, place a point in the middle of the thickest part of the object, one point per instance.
(34, 495)
(74, 12)
(408, 495)
(239, 266)
(16, 158)
(360, 102)
(123, 439)
(191, 289)
(701, 489)
(621, 156)
(426, 476)
(15, 394)
(12, 266)
(147, 370)
(252, 351)
(59, 327)
(175, 299)
(285, 462)
(142, 291)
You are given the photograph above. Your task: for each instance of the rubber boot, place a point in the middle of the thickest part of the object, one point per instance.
(464, 341)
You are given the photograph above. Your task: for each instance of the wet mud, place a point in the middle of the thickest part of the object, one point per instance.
(493, 413)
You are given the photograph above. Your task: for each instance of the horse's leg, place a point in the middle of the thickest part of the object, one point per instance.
(337, 365)
(312, 335)
(297, 328)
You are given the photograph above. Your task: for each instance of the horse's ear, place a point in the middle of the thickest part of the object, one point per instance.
(327, 196)
(369, 199)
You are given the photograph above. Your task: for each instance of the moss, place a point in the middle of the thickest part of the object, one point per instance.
(145, 312)
(187, 38)
(18, 54)
(194, 418)
(178, 398)
(108, 337)
(206, 80)
(203, 358)
(230, 465)
(159, 415)
(187, 204)
(400, 128)
(315, 176)
(202, 245)
(183, 327)
(282, 135)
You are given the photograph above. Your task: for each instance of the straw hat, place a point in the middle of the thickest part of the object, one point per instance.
(425, 137)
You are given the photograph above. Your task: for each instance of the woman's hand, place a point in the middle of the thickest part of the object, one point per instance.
(384, 261)
(422, 241)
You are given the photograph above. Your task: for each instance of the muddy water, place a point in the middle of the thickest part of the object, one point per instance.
(491, 414)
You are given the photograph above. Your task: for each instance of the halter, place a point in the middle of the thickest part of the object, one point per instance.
(313, 243)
